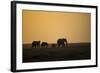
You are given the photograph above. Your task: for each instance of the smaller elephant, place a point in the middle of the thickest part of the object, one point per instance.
(36, 44)
(62, 42)
(53, 45)
(44, 44)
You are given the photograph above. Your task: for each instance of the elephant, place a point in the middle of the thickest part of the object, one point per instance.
(62, 42)
(36, 44)
(44, 44)
(53, 45)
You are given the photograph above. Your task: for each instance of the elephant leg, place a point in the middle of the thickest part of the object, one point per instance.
(35, 45)
(59, 45)
(63, 44)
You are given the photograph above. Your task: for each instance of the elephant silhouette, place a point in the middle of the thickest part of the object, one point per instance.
(62, 42)
(53, 45)
(44, 44)
(36, 44)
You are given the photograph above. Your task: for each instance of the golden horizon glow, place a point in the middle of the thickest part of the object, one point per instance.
(50, 26)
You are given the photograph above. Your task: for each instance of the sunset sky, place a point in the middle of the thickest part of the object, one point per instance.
(50, 26)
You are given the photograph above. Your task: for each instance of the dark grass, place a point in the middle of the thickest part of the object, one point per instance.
(74, 51)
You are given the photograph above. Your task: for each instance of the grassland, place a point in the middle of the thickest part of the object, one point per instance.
(74, 51)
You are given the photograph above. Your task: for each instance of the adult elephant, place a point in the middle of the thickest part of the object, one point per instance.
(44, 44)
(62, 42)
(36, 44)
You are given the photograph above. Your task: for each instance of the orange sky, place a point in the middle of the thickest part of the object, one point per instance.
(50, 26)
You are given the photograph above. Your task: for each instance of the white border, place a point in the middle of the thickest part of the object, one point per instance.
(37, 65)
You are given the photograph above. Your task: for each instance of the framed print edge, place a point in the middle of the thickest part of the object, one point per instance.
(96, 36)
(14, 36)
